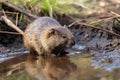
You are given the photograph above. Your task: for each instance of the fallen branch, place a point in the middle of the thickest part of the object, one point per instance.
(19, 10)
(88, 25)
(106, 19)
(114, 13)
(6, 32)
(94, 22)
(9, 23)
(92, 26)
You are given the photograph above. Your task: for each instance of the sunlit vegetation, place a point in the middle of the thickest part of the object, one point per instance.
(51, 7)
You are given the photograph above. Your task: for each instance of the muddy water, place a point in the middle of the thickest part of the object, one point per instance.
(82, 66)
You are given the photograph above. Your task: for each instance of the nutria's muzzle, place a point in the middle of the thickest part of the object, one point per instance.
(70, 43)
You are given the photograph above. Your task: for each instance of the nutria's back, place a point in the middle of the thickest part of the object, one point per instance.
(42, 23)
(46, 35)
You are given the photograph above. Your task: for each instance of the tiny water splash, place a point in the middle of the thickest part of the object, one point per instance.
(79, 47)
(76, 49)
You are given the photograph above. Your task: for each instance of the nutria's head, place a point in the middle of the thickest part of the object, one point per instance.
(57, 38)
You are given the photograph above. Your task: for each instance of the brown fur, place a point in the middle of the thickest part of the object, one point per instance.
(45, 35)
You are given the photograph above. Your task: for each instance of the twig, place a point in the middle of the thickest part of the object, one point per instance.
(106, 19)
(88, 25)
(16, 19)
(92, 26)
(9, 23)
(77, 21)
(7, 12)
(4, 12)
(94, 22)
(19, 10)
(114, 13)
(6, 32)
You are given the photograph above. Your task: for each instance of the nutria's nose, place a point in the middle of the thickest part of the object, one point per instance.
(71, 42)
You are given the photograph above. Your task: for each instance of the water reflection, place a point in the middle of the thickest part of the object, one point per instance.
(49, 68)
(13, 65)
(75, 67)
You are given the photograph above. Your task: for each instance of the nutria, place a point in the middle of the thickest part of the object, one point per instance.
(45, 35)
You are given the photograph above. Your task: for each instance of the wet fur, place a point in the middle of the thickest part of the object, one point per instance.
(39, 38)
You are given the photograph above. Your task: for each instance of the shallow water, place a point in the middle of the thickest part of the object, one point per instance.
(82, 66)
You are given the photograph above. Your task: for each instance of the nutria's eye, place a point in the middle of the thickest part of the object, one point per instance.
(52, 31)
(64, 36)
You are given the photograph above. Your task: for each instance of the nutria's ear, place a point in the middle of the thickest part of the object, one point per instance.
(52, 31)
